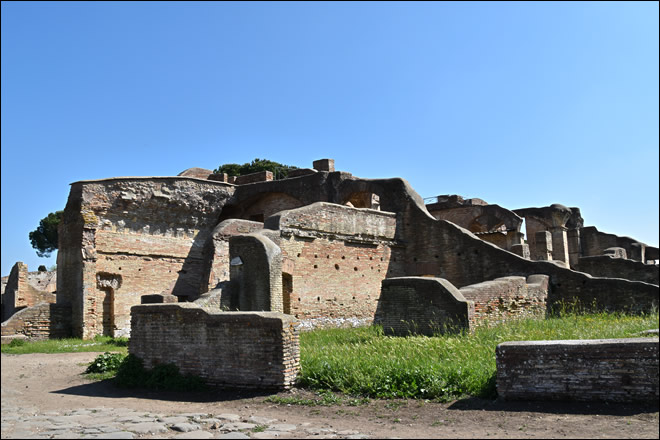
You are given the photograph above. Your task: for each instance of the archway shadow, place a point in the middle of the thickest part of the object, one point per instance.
(107, 388)
(555, 406)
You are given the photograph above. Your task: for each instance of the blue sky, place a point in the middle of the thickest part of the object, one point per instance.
(519, 104)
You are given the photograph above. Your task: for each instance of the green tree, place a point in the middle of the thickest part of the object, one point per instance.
(279, 170)
(44, 238)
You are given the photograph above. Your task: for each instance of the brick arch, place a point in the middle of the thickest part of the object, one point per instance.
(261, 207)
(487, 223)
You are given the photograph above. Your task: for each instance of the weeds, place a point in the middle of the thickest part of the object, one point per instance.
(364, 362)
(165, 377)
(326, 398)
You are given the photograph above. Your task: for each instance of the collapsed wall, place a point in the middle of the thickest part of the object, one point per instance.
(25, 289)
(611, 267)
(491, 223)
(443, 249)
(40, 321)
(595, 242)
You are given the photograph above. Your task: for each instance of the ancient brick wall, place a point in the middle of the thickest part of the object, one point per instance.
(21, 289)
(606, 266)
(216, 252)
(442, 249)
(261, 176)
(41, 321)
(594, 242)
(138, 236)
(268, 205)
(621, 370)
(334, 259)
(506, 298)
(256, 273)
(43, 281)
(499, 239)
(426, 306)
(227, 349)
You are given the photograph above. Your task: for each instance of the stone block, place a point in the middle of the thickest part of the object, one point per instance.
(324, 165)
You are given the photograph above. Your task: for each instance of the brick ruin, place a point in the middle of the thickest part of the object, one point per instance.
(611, 370)
(328, 248)
(29, 305)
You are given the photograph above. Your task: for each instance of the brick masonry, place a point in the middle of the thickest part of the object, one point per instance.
(41, 321)
(507, 298)
(607, 266)
(125, 238)
(26, 289)
(422, 305)
(620, 370)
(334, 259)
(417, 305)
(226, 349)
(156, 249)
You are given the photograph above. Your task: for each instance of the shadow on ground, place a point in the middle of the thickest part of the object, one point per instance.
(556, 407)
(107, 388)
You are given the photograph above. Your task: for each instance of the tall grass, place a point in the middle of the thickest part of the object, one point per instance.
(364, 362)
(69, 345)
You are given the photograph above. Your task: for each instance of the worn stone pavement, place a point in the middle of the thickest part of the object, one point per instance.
(118, 423)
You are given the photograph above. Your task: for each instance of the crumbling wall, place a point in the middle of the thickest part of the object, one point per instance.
(610, 267)
(426, 306)
(491, 223)
(43, 280)
(40, 321)
(507, 298)
(124, 238)
(227, 349)
(442, 249)
(20, 290)
(620, 370)
(333, 261)
(138, 236)
(595, 243)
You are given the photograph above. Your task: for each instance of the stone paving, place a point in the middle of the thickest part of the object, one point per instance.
(118, 423)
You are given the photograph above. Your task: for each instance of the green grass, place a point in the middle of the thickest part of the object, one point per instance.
(364, 362)
(71, 345)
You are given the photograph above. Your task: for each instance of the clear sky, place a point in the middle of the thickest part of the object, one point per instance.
(519, 104)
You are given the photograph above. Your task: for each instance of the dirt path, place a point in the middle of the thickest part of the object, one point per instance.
(38, 384)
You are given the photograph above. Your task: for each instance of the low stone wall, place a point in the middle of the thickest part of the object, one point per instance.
(609, 267)
(419, 305)
(42, 321)
(228, 349)
(621, 370)
(507, 298)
